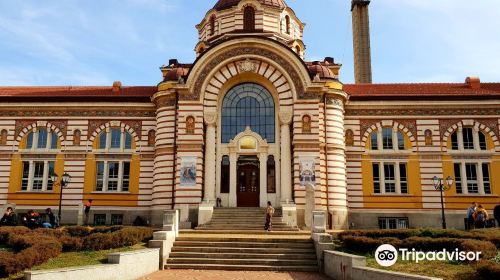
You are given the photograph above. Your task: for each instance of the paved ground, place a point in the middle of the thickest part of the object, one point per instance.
(233, 275)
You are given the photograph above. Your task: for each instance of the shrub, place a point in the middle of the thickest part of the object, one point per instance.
(78, 231)
(361, 244)
(487, 270)
(488, 250)
(6, 232)
(71, 244)
(105, 229)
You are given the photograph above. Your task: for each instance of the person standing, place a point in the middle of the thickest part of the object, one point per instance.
(269, 216)
(9, 218)
(480, 217)
(86, 207)
(470, 212)
(496, 214)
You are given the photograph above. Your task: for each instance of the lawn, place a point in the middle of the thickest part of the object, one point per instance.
(71, 259)
(440, 269)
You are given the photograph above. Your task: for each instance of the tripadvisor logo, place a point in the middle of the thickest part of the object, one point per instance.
(387, 255)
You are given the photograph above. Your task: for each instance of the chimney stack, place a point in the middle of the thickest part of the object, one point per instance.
(361, 41)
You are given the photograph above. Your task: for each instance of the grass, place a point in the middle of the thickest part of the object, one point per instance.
(4, 248)
(440, 269)
(72, 259)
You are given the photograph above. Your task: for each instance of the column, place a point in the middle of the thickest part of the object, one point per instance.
(263, 179)
(210, 144)
(233, 158)
(285, 117)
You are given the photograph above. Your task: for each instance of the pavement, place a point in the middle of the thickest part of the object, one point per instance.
(233, 275)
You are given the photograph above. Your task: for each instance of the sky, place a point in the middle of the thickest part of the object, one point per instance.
(81, 42)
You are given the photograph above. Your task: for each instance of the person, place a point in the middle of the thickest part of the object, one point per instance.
(470, 213)
(49, 219)
(9, 218)
(480, 217)
(269, 216)
(32, 219)
(86, 207)
(496, 214)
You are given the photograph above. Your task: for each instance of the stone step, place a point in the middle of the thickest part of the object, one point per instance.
(307, 268)
(245, 255)
(235, 244)
(241, 239)
(273, 262)
(230, 250)
(244, 223)
(247, 228)
(254, 232)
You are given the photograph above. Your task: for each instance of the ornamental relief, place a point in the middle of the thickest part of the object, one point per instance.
(423, 112)
(136, 125)
(217, 61)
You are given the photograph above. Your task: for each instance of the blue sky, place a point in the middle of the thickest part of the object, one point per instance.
(55, 42)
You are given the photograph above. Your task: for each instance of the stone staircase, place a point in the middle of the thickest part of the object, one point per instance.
(244, 219)
(243, 250)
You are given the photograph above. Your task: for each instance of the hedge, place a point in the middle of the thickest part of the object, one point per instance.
(368, 245)
(34, 247)
(487, 270)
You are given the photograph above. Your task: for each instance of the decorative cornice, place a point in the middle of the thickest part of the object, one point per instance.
(76, 113)
(423, 112)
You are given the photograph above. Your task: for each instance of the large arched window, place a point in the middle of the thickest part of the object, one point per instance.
(249, 18)
(250, 105)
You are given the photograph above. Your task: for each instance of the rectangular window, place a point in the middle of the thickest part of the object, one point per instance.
(50, 184)
(401, 141)
(126, 177)
(116, 219)
(467, 135)
(102, 140)
(100, 176)
(471, 173)
(458, 177)
(224, 188)
(376, 177)
(374, 141)
(42, 139)
(128, 141)
(393, 223)
(482, 141)
(454, 141)
(271, 175)
(26, 176)
(387, 138)
(403, 178)
(486, 178)
(53, 140)
(38, 176)
(113, 171)
(29, 141)
(389, 178)
(116, 135)
(99, 219)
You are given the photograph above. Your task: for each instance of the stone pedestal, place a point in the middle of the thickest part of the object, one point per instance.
(171, 221)
(205, 213)
(319, 222)
(289, 214)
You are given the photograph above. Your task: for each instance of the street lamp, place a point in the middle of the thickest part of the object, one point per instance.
(442, 185)
(64, 182)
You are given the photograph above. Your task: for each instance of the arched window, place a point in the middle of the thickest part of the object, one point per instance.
(349, 138)
(151, 138)
(287, 23)
(77, 134)
(249, 105)
(41, 139)
(306, 124)
(249, 18)
(3, 137)
(387, 139)
(190, 125)
(225, 175)
(212, 25)
(115, 138)
(468, 138)
(428, 137)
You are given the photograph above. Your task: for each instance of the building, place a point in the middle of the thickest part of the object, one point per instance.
(250, 121)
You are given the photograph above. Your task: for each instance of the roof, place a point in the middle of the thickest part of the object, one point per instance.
(64, 93)
(422, 91)
(226, 4)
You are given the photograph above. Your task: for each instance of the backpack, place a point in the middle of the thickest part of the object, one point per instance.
(480, 217)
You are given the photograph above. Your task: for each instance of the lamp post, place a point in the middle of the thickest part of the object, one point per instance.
(63, 182)
(442, 185)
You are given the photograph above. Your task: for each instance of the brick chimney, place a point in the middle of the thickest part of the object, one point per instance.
(117, 86)
(361, 41)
